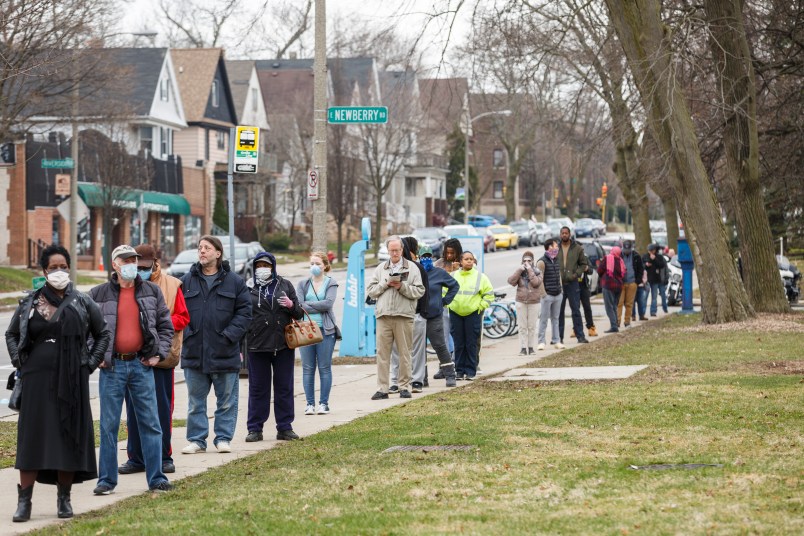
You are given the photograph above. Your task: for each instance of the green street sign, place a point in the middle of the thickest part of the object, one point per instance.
(357, 114)
(61, 163)
(38, 282)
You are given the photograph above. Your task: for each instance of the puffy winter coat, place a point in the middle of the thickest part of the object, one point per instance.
(528, 283)
(266, 332)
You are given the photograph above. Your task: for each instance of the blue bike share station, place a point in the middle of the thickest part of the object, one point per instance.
(359, 323)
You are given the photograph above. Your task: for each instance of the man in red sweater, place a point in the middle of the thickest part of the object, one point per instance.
(149, 269)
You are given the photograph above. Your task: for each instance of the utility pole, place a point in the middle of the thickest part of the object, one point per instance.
(73, 232)
(320, 127)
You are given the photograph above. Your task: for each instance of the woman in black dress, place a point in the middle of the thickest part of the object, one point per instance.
(48, 342)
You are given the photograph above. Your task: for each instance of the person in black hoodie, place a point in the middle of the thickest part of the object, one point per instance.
(270, 362)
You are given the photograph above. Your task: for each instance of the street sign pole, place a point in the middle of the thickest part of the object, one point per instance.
(73, 232)
(320, 127)
(230, 194)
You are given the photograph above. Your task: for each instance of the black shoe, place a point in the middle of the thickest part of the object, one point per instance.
(253, 436)
(583, 341)
(643, 318)
(168, 467)
(612, 330)
(23, 512)
(417, 387)
(63, 507)
(404, 393)
(530, 350)
(163, 486)
(379, 395)
(287, 435)
(129, 469)
(393, 389)
(103, 489)
(523, 351)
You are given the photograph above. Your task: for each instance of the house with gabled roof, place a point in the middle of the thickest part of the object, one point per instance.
(137, 104)
(210, 113)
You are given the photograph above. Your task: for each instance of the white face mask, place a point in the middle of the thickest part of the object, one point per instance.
(263, 274)
(128, 272)
(58, 279)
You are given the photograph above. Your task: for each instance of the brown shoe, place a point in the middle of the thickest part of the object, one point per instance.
(593, 331)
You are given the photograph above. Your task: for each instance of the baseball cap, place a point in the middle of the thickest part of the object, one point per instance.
(146, 252)
(425, 250)
(124, 252)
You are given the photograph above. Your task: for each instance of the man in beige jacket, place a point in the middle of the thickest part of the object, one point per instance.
(396, 286)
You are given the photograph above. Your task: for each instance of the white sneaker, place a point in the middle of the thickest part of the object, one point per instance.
(540, 347)
(323, 409)
(559, 346)
(223, 446)
(193, 448)
(310, 410)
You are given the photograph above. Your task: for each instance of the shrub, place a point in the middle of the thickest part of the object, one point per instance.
(276, 242)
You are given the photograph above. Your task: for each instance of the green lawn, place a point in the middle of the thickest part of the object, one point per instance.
(546, 457)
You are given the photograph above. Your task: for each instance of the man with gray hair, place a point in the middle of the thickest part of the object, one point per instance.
(396, 286)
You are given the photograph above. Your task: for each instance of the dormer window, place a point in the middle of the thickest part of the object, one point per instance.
(215, 98)
(164, 91)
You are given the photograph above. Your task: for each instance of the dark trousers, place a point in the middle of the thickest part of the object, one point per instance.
(572, 293)
(586, 296)
(264, 370)
(466, 336)
(163, 380)
(435, 332)
(610, 300)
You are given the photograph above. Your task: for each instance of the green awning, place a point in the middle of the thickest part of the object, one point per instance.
(93, 196)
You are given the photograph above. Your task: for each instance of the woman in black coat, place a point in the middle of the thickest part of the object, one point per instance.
(47, 341)
(270, 361)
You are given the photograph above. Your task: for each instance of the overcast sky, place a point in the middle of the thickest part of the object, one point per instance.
(411, 17)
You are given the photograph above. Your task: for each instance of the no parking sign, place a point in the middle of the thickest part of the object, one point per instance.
(312, 184)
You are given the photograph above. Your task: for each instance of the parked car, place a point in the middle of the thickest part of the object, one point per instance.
(526, 232)
(482, 221)
(542, 233)
(244, 255)
(555, 229)
(564, 222)
(601, 227)
(433, 237)
(460, 230)
(658, 226)
(586, 227)
(594, 252)
(504, 236)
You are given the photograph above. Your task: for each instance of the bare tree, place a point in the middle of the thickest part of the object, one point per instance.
(41, 64)
(344, 174)
(290, 138)
(643, 38)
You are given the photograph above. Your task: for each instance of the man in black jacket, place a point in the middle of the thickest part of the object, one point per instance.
(270, 362)
(141, 330)
(220, 312)
(656, 267)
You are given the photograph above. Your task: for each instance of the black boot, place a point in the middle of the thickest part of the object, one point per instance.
(23, 512)
(449, 374)
(64, 508)
(530, 350)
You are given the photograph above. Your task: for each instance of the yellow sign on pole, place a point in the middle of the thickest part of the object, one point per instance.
(246, 154)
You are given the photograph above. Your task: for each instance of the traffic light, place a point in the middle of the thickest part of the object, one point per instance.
(599, 201)
(605, 189)
(7, 155)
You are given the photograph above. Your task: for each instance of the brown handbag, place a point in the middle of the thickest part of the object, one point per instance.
(302, 333)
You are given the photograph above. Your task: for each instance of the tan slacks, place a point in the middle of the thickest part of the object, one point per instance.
(390, 330)
(627, 295)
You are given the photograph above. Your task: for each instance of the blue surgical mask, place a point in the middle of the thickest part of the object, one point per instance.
(128, 272)
(315, 270)
(145, 274)
(427, 263)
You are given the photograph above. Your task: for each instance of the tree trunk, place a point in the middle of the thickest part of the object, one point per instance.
(738, 89)
(642, 36)
(340, 242)
(671, 221)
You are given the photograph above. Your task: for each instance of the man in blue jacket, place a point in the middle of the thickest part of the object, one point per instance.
(438, 280)
(220, 312)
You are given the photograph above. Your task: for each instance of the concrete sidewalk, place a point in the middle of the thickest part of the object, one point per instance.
(352, 388)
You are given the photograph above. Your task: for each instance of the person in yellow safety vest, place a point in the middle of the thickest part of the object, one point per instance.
(466, 315)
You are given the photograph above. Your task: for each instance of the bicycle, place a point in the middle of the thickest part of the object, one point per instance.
(499, 318)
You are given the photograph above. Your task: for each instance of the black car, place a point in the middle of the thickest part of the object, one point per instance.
(594, 252)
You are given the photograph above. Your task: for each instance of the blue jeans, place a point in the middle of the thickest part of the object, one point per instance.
(551, 306)
(641, 300)
(163, 380)
(139, 381)
(227, 388)
(654, 305)
(317, 356)
(572, 293)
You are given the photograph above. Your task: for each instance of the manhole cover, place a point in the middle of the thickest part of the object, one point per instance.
(426, 448)
(662, 466)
